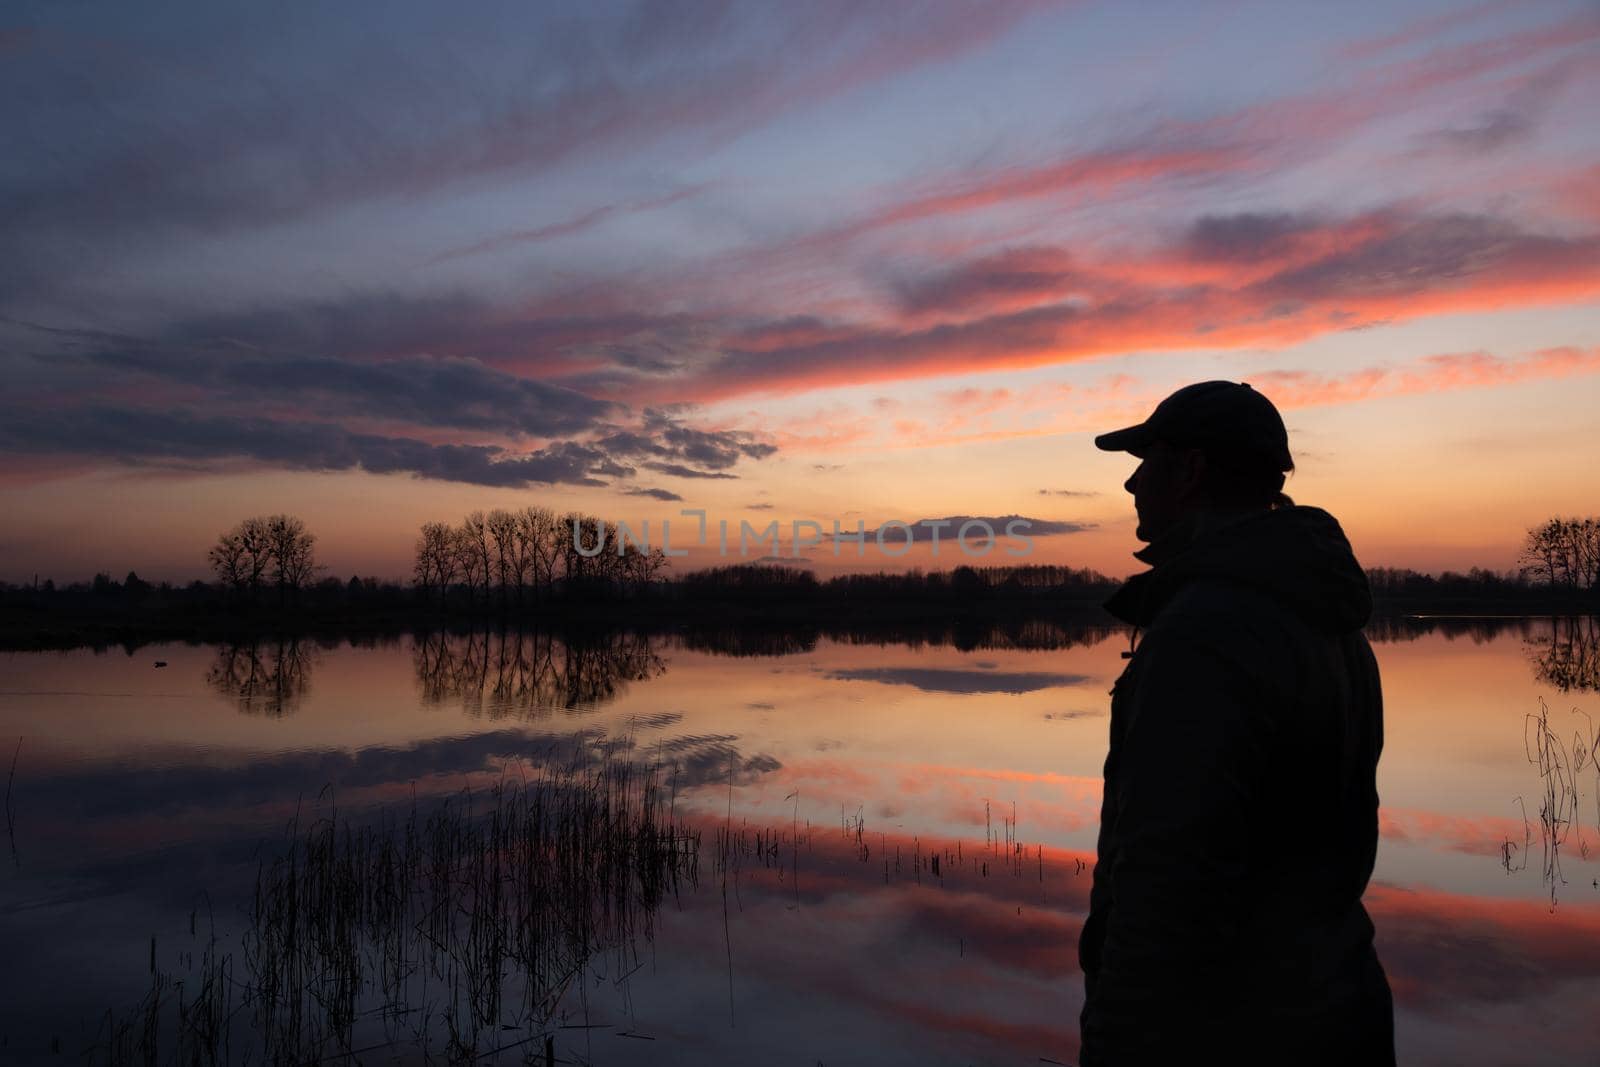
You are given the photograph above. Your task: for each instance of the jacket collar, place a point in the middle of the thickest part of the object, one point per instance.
(1132, 603)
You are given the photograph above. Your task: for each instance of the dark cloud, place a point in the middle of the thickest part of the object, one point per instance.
(435, 361)
(658, 494)
(715, 450)
(684, 450)
(221, 381)
(678, 470)
(1026, 272)
(1070, 492)
(421, 390)
(382, 325)
(1429, 253)
(374, 323)
(658, 351)
(1512, 123)
(922, 532)
(1246, 237)
(1492, 132)
(953, 680)
(135, 436)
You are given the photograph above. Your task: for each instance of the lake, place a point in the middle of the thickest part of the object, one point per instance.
(836, 848)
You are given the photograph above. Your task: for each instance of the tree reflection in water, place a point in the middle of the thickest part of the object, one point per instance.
(1564, 649)
(1568, 655)
(268, 677)
(964, 635)
(529, 674)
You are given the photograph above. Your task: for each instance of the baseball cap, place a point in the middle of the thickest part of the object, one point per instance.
(1229, 415)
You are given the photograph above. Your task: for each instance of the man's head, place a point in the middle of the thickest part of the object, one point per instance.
(1218, 445)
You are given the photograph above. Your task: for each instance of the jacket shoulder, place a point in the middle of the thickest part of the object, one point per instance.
(1223, 610)
(1247, 628)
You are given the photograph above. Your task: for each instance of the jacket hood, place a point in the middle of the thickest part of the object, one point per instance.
(1299, 555)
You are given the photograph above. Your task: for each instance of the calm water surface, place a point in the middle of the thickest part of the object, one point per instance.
(145, 800)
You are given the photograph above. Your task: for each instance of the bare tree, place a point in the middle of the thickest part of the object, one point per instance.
(1564, 552)
(501, 527)
(289, 547)
(582, 543)
(436, 564)
(227, 558)
(1583, 540)
(472, 553)
(1541, 551)
(241, 557)
(540, 532)
(640, 567)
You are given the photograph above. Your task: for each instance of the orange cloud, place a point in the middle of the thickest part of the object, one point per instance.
(1237, 282)
(1430, 374)
(1122, 399)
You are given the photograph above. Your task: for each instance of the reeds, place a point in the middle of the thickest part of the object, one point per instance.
(466, 927)
(458, 931)
(1559, 768)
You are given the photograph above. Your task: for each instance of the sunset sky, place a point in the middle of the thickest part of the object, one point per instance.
(381, 264)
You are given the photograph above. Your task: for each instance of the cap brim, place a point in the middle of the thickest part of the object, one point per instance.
(1134, 439)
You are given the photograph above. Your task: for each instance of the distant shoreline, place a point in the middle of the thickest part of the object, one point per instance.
(77, 625)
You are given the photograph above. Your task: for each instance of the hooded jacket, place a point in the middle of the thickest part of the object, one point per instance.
(1239, 823)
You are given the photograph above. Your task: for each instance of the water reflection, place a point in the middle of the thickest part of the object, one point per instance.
(922, 934)
(268, 677)
(1384, 629)
(964, 635)
(1564, 650)
(984, 679)
(459, 932)
(527, 674)
(1567, 656)
(1561, 769)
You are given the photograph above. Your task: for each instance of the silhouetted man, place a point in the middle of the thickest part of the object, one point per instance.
(1239, 823)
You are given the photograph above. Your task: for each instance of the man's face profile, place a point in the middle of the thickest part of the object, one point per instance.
(1162, 486)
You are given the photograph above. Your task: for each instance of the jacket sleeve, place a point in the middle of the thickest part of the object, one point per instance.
(1194, 751)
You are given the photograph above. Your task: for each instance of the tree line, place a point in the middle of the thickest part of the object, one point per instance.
(514, 557)
(507, 561)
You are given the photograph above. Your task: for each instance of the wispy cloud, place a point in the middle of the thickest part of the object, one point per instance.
(566, 228)
(354, 121)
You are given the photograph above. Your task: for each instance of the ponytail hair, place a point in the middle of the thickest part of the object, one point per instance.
(1242, 478)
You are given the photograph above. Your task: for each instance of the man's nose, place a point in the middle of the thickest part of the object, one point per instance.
(1133, 479)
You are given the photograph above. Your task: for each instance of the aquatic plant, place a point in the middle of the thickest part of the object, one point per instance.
(458, 930)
